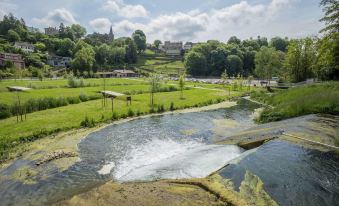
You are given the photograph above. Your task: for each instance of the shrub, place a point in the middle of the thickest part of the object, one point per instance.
(160, 108)
(73, 100)
(115, 116)
(87, 122)
(5, 111)
(83, 97)
(130, 112)
(172, 107)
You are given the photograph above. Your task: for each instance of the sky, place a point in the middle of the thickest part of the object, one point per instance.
(175, 20)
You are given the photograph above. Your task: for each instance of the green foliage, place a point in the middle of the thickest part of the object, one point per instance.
(327, 64)
(195, 63)
(233, 40)
(331, 9)
(181, 84)
(83, 60)
(234, 65)
(87, 122)
(279, 44)
(313, 99)
(130, 112)
(172, 108)
(267, 63)
(139, 38)
(13, 36)
(5, 111)
(300, 59)
(131, 52)
(157, 43)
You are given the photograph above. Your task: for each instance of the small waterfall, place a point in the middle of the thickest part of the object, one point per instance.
(169, 159)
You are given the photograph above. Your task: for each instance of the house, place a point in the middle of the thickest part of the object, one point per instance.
(33, 29)
(24, 46)
(188, 46)
(51, 31)
(124, 73)
(16, 59)
(58, 61)
(172, 48)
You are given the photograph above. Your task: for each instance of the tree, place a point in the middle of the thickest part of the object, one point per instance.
(157, 43)
(279, 44)
(218, 60)
(234, 40)
(140, 40)
(155, 84)
(195, 63)
(13, 36)
(224, 77)
(300, 59)
(331, 18)
(267, 63)
(182, 85)
(234, 65)
(78, 30)
(262, 41)
(83, 60)
(327, 63)
(131, 52)
(102, 54)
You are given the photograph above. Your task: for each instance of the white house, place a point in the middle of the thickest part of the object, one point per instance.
(172, 48)
(188, 46)
(24, 46)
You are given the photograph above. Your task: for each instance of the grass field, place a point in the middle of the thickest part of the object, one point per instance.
(45, 122)
(312, 99)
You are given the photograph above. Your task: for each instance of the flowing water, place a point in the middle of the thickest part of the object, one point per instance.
(292, 174)
(160, 147)
(180, 146)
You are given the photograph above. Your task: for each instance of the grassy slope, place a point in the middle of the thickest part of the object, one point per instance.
(159, 63)
(320, 98)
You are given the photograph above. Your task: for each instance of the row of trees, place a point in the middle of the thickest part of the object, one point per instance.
(292, 60)
(235, 56)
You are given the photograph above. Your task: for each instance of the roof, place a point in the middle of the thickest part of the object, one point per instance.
(24, 44)
(124, 71)
(11, 54)
(111, 94)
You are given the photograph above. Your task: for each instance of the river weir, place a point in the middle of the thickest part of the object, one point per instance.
(179, 146)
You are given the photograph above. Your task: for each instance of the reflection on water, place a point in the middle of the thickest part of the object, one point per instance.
(149, 148)
(292, 175)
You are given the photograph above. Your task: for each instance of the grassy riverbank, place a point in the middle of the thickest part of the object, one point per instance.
(312, 99)
(42, 123)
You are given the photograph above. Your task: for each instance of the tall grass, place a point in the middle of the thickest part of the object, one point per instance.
(312, 99)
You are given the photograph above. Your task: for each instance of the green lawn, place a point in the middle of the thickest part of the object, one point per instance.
(11, 97)
(312, 99)
(47, 83)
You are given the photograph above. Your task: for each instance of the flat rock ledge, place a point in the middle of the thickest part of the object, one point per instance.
(54, 156)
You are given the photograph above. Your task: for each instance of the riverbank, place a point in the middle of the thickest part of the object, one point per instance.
(320, 98)
(67, 141)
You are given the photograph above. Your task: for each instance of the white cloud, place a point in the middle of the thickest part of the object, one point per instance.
(101, 25)
(126, 28)
(125, 10)
(55, 17)
(6, 7)
(242, 19)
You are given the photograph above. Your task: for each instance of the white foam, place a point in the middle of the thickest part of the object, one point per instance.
(106, 169)
(168, 159)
